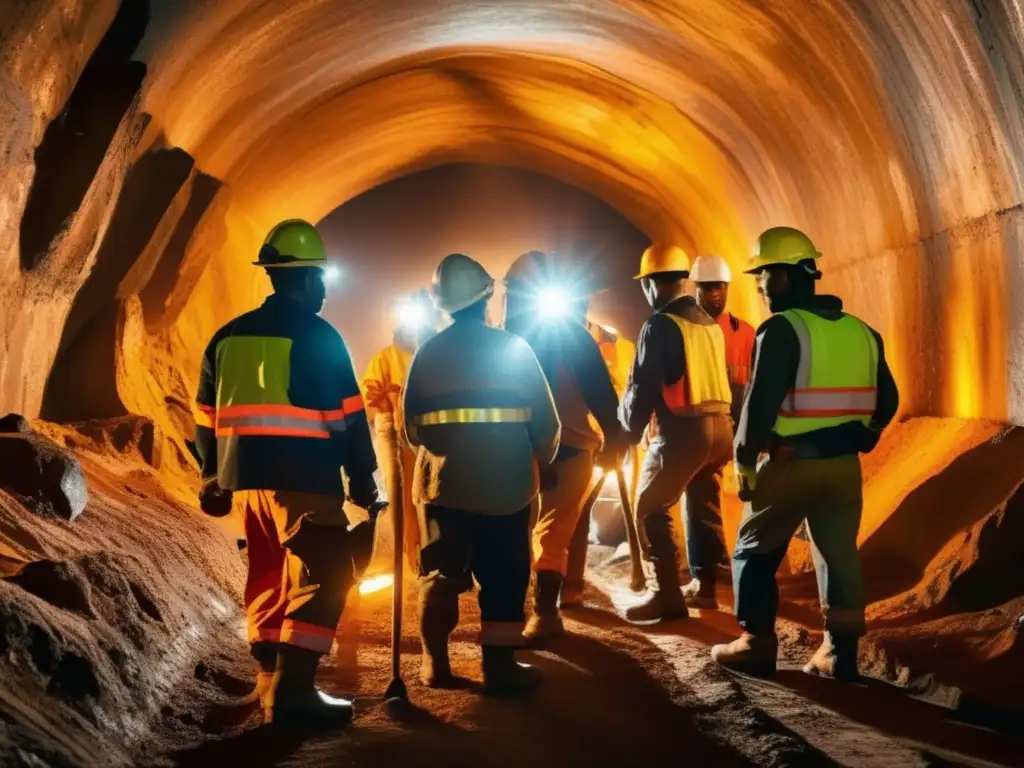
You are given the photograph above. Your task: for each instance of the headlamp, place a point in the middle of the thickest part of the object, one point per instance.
(412, 315)
(553, 302)
(332, 274)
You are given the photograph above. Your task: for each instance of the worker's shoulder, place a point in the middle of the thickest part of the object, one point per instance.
(776, 325)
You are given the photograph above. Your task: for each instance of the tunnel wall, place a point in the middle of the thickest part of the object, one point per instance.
(891, 132)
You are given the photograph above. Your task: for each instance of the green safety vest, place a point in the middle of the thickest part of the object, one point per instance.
(837, 378)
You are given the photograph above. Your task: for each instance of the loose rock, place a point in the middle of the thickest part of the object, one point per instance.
(14, 423)
(47, 478)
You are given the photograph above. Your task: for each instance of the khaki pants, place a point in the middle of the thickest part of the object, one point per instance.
(690, 460)
(300, 569)
(560, 510)
(825, 492)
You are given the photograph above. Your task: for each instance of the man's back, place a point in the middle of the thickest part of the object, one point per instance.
(479, 408)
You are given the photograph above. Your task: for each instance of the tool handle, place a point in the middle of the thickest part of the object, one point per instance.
(637, 579)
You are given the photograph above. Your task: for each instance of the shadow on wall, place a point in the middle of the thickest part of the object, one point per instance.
(76, 142)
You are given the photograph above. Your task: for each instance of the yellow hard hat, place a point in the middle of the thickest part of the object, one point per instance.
(781, 245)
(292, 243)
(661, 257)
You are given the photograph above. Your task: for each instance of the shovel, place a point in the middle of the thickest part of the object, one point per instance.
(396, 697)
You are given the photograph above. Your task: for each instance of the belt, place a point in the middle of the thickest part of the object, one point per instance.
(473, 416)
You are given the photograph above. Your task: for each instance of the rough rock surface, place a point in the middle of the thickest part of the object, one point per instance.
(46, 477)
(14, 423)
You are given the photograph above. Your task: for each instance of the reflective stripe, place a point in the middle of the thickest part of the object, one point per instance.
(205, 415)
(308, 636)
(353, 405)
(508, 634)
(472, 416)
(841, 401)
(279, 420)
(261, 635)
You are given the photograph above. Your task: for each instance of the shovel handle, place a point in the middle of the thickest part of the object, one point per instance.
(637, 580)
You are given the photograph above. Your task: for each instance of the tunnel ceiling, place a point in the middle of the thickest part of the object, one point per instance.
(891, 132)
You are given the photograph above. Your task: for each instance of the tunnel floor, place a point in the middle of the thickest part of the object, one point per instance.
(614, 695)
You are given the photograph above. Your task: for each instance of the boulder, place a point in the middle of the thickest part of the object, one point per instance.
(14, 423)
(126, 434)
(47, 478)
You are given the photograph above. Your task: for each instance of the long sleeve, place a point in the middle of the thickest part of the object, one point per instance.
(645, 379)
(358, 458)
(544, 426)
(888, 394)
(596, 385)
(206, 414)
(410, 393)
(776, 357)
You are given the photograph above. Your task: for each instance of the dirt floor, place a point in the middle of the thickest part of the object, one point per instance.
(614, 695)
(122, 641)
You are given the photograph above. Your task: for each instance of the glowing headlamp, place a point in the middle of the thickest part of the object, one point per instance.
(412, 315)
(553, 302)
(332, 274)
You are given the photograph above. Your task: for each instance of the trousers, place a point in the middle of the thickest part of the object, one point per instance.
(495, 549)
(560, 510)
(688, 461)
(300, 569)
(827, 494)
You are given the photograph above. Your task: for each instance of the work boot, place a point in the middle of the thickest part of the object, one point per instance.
(571, 596)
(666, 602)
(439, 614)
(294, 699)
(836, 657)
(700, 593)
(266, 656)
(752, 654)
(546, 621)
(504, 676)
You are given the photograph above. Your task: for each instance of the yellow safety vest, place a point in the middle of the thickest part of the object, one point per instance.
(383, 382)
(837, 377)
(705, 385)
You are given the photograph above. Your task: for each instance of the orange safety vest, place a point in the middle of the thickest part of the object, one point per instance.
(739, 347)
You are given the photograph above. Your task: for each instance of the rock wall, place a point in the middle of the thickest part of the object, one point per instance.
(153, 142)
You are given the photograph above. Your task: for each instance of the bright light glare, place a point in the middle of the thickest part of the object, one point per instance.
(376, 584)
(611, 330)
(412, 315)
(553, 302)
(332, 274)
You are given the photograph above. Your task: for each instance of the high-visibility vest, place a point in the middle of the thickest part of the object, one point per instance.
(837, 377)
(705, 386)
(739, 348)
(384, 380)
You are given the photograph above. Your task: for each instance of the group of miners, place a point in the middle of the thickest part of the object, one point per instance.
(496, 432)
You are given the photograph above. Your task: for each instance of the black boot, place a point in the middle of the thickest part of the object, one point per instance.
(666, 602)
(546, 621)
(294, 699)
(504, 676)
(439, 615)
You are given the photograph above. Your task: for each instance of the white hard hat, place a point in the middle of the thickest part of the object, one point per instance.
(460, 282)
(710, 269)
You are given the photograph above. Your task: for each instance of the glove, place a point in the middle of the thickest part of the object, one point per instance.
(746, 479)
(548, 479)
(214, 500)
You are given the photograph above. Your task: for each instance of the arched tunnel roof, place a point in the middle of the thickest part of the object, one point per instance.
(890, 132)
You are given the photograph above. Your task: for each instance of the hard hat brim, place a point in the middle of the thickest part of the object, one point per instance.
(292, 264)
(642, 275)
(486, 293)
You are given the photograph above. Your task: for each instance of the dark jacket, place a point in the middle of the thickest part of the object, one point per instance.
(660, 361)
(580, 383)
(776, 357)
(480, 414)
(279, 407)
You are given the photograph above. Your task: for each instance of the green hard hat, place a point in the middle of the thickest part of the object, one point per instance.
(292, 243)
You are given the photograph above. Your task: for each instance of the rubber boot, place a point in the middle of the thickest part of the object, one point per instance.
(546, 621)
(752, 654)
(294, 700)
(700, 593)
(439, 615)
(836, 658)
(504, 676)
(266, 656)
(666, 602)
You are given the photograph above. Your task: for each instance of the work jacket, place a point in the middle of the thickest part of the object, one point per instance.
(384, 383)
(679, 371)
(278, 406)
(739, 352)
(820, 385)
(478, 409)
(580, 384)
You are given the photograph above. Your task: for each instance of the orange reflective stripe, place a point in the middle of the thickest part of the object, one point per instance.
(352, 405)
(308, 636)
(270, 410)
(205, 416)
(242, 431)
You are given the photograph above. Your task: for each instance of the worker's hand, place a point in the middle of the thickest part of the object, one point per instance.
(214, 500)
(612, 453)
(746, 479)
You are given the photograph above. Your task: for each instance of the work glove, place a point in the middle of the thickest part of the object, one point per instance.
(746, 479)
(214, 500)
(362, 537)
